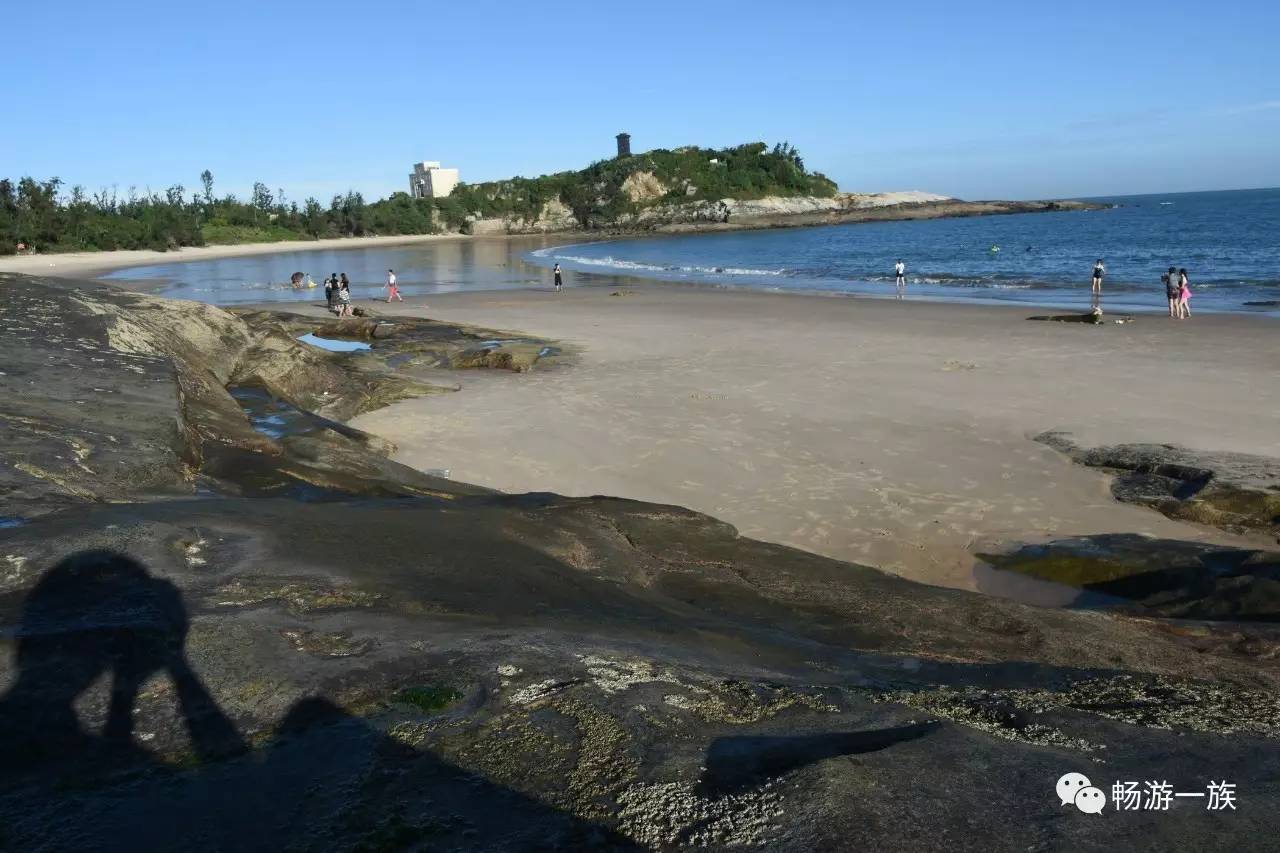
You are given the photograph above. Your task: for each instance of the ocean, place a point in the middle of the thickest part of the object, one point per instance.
(1229, 242)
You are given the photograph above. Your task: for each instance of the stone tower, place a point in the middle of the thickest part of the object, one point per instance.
(624, 145)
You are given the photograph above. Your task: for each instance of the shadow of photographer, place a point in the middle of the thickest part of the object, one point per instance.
(324, 775)
(94, 614)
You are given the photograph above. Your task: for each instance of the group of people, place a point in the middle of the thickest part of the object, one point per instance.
(1175, 283)
(1176, 288)
(337, 294)
(1178, 292)
(337, 291)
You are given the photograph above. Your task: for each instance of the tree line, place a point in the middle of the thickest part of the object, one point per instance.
(38, 216)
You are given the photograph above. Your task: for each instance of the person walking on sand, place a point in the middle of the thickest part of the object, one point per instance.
(559, 277)
(393, 292)
(1099, 269)
(1184, 295)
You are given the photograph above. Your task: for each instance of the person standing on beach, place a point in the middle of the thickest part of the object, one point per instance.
(900, 273)
(559, 277)
(1184, 295)
(1099, 269)
(344, 300)
(329, 284)
(393, 292)
(1172, 290)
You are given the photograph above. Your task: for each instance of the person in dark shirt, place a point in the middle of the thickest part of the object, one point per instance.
(1172, 290)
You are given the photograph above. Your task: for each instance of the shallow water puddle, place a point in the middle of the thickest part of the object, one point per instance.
(269, 416)
(1037, 592)
(333, 345)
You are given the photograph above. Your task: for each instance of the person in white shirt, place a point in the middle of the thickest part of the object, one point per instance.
(900, 273)
(393, 292)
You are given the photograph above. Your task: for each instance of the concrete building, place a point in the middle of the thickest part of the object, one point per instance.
(428, 180)
(624, 145)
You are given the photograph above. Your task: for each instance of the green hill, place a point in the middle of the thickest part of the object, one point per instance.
(600, 194)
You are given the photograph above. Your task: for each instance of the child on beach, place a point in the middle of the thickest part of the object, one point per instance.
(344, 300)
(393, 292)
(1184, 295)
(1099, 269)
(559, 277)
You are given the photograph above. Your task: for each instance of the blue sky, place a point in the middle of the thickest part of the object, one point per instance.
(978, 100)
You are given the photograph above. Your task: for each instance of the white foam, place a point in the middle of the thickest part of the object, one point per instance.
(624, 264)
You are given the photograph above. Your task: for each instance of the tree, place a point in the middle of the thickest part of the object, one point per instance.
(206, 180)
(8, 217)
(313, 218)
(262, 198)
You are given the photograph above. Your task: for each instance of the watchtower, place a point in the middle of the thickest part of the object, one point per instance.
(624, 145)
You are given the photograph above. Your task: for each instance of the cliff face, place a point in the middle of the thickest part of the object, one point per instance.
(771, 212)
(294, 643)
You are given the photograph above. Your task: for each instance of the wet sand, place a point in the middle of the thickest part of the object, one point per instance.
(894, 434)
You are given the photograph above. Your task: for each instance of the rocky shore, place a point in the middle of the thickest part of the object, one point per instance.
(232, 622)
(778, 212)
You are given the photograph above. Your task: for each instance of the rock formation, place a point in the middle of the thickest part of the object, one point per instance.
(1236, 492)
(770, 212)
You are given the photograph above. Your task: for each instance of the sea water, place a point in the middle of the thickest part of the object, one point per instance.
(1229, 243)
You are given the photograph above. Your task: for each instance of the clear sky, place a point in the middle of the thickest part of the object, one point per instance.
(979, 100)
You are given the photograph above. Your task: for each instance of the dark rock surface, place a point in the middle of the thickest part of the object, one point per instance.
(404, 343)
(1091, 318)
(1168, 577)
(203, 654)
(1236, 492)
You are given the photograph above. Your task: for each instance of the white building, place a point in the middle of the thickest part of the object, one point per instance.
(428, 180)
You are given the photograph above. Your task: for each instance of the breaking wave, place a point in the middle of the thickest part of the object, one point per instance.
(610, 262)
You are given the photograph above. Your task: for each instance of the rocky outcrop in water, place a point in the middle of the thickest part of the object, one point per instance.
(363, 657)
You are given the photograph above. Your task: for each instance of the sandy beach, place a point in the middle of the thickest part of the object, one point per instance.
(895, 434)
(82, 264)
